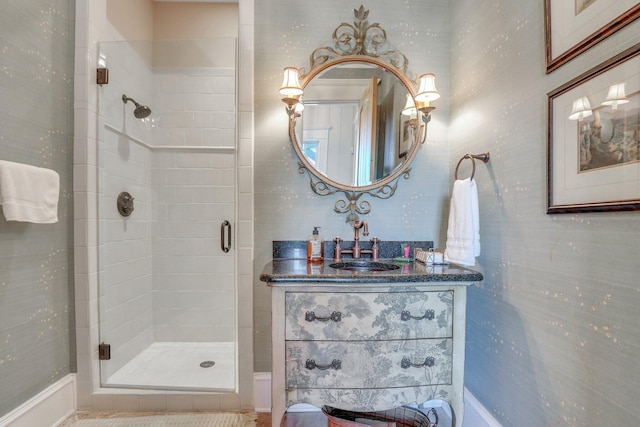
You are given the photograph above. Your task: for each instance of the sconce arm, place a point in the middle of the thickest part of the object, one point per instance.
(426, 118)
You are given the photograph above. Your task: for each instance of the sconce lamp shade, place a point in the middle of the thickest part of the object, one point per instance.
(290, 84)
(299, 108)
(616, 96)
(409, 108)
(427, 89)
(581, 109)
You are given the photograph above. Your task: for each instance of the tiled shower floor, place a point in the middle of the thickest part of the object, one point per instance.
(176, 365)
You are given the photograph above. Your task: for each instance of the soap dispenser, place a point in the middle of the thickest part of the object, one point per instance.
(315, 247)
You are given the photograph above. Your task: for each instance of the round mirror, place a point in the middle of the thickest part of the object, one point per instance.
(356, 131)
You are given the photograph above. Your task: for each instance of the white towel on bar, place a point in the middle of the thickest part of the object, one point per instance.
(463, 232)
(29, 193)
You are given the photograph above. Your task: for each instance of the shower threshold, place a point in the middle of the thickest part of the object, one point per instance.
(177, 366)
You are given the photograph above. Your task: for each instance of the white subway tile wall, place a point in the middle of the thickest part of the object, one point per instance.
(172, 239)
(94, 26)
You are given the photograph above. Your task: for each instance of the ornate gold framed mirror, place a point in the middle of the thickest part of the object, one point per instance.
(356, 116)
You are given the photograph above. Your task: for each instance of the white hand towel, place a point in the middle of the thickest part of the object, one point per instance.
(463, 231)
(29, 193)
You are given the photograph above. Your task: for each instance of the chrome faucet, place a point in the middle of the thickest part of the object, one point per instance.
(356, 252)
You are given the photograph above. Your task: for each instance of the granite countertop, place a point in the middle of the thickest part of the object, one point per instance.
(283, 270)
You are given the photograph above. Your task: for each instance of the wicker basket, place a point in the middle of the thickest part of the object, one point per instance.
(339, 422)
(429, 257)
(397, 417)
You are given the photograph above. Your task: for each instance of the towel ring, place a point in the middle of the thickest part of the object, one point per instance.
(484, 157)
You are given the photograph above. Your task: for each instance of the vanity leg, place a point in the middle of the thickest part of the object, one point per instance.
(278, 399)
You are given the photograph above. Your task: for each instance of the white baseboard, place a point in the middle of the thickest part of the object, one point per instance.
(476, 415)
(262, 391)
(50, 407)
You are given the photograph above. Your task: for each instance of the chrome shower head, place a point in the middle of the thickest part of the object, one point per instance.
(141, 111)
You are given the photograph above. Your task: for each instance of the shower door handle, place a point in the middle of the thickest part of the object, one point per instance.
(225, 244)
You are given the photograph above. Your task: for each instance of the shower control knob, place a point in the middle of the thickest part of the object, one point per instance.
(125, 203)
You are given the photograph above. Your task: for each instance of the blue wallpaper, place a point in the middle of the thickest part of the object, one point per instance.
(552, 335)
(552, 332)
(36, 127)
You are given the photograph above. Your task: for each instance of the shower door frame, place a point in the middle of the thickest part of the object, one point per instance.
(131, 134)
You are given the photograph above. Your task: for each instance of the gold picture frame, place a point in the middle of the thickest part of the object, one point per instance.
(408, 131)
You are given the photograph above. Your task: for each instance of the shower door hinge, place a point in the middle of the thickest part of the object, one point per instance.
(102, 76)
(104, 351)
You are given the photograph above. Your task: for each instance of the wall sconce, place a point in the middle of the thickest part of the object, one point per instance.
(581, 109)
(291, 89)
(616, 96)
(427, 89)
(409, 108)
(427, 92)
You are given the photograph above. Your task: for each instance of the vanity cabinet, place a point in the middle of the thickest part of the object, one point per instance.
(367, 346)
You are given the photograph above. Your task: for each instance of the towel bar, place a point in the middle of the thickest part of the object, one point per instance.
(484, 157)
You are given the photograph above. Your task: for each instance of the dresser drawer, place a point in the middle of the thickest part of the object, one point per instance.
(368, 399)
(368, 364)
(368, 316)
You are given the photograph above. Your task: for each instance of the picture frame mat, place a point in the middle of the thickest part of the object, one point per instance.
(568, 187)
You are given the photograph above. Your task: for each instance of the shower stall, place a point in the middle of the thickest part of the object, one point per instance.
(166, 213)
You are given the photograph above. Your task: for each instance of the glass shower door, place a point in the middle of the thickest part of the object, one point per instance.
(167, 277)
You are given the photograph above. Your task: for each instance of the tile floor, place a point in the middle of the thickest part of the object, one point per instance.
(299, 419)
(143, 418)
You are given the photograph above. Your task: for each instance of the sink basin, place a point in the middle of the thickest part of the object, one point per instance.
(364, 266)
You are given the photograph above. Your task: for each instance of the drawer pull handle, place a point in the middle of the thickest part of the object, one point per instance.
(335, 364)
(406, 363)
(310, 316)
(406, 315)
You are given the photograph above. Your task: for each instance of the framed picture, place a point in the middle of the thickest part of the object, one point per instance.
(573, 26)
(408, 132)
(593, 153)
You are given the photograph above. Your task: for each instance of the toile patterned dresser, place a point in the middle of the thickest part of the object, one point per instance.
(367, 340)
